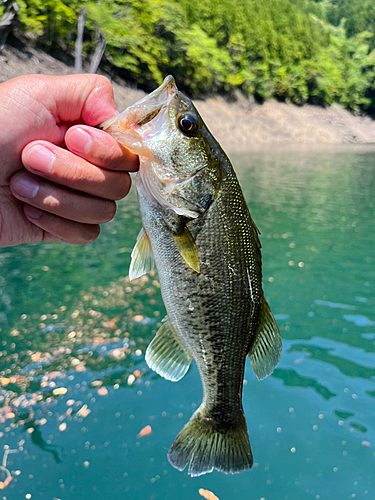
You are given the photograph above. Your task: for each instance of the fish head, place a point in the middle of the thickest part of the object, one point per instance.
(168, 134)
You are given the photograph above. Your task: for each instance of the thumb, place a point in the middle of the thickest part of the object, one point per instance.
(73, 98)
(86, 98)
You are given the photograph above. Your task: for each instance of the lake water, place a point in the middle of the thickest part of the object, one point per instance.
(76, 392)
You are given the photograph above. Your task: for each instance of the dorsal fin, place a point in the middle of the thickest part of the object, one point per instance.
(142, 257)
(265, 353)
(166, 355)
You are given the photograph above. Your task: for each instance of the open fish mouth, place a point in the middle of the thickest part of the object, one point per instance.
(123, 126)
(149, 106)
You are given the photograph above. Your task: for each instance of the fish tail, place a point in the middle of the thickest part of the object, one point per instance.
(209, 446)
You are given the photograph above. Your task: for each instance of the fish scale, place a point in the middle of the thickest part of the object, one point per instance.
(198, 230)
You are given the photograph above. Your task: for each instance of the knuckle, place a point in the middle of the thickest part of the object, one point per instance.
(109, 155)
(101, 85)
(54, 201)
(77, 175)
(102, 81)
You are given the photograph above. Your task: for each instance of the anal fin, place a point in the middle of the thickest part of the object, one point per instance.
(265, 353)
(142, 257)
(166, 355)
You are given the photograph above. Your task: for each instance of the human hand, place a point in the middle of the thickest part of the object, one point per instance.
(47, 192)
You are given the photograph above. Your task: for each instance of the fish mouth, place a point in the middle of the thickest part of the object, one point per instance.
(149, 106)
(123, 127)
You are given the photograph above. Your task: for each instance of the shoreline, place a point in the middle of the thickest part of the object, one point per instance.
(238, 126)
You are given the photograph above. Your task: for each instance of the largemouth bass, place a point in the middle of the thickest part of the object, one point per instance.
(198, 230)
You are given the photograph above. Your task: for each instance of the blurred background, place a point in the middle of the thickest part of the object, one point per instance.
(317, 51)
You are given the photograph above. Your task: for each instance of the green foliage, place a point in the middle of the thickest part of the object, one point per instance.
(357, 15)
(53, 20)
(342, 72)
(129, 30)
(285, 49)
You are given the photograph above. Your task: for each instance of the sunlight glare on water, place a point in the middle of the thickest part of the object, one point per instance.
(82, 416)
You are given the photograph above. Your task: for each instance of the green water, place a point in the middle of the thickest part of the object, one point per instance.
(70, 319)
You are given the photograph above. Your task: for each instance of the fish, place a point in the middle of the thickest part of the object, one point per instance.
(198, 231)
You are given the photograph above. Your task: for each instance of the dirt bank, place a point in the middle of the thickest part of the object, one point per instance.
(239, 126)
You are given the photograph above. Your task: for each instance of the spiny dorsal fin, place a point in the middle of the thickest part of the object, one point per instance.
(166, 355)
(142, 257)
(265, 352)
(188, 248)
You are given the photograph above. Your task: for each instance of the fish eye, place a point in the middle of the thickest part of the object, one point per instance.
(188, 124)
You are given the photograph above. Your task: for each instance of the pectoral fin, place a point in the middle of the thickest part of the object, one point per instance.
(166, 355)
(265, 352)
(188, 248)
(142, 257)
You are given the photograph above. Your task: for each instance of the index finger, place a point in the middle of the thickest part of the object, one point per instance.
(100, 149)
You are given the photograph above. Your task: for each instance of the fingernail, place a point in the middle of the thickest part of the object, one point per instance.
(25, 186)
(79, 141)
(32, 212)
(41, 159)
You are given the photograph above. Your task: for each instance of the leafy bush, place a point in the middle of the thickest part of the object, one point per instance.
(276, 48)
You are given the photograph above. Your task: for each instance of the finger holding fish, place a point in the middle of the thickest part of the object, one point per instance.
(68, 194)
(100, 149)
(62, 167)
(61, 201)
(54, 228)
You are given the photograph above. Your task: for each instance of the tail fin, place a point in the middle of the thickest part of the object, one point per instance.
(208, 448)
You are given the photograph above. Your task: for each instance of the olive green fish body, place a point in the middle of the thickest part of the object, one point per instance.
(198, 230)
(216, 312)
